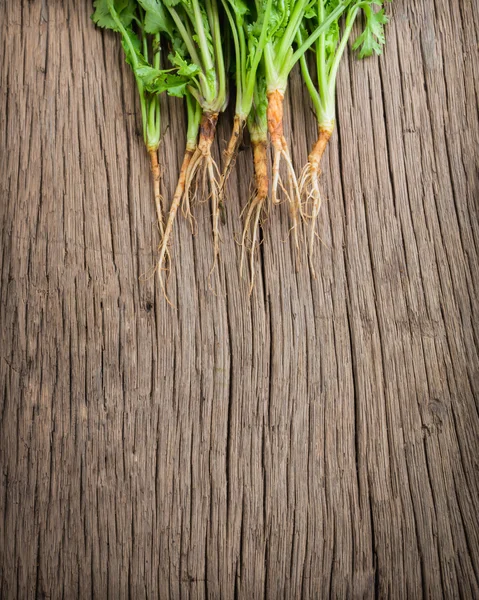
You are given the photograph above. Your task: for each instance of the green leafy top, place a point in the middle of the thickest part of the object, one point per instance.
(102, 17)
(280, 55)
(157, 19)
(371, 39)
(331, 45)
(140, 28)
(251, 28)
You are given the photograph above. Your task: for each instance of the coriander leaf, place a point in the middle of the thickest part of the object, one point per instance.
(371, 40)
(102, 17)
(184, 68)
(157, 81)
(156, 18)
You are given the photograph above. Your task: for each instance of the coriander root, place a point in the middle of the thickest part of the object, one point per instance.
(155, 171)
(256, 205)
(281, 151)
(309, 184)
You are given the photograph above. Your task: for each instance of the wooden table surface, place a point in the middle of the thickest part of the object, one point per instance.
(317, 439)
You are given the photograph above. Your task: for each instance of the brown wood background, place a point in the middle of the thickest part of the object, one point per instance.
(318, 439)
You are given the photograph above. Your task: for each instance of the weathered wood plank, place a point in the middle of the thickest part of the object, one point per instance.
(317, 439)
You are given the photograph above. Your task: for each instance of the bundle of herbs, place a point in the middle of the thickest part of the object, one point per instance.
(258, 43)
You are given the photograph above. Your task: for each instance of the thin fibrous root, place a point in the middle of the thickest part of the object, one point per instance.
(294, 210)
(175, 204)
(155, 171)
(255, 207)
(203, 160)
(281, 151)
(215, 210)
(230, 155)
(191, 171)
(309, 185)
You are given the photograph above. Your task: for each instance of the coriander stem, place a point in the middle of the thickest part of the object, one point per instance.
(291, 29)
(321, 60)
(234, 31)
(220, 66)
(157, 50)
(259, 54)
(335, 14)
(351, 17)
(313, 92)
(186, 37)
(193, 110)
(202, 41)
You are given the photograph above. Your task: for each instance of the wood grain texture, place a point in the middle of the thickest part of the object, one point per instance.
(316, 440)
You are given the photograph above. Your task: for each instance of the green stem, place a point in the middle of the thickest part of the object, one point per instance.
(153, 125)
(238, 78)
(243, 55)
(156, 101)
(145, 47)
(153, 130)
(186, 37)
(291, 30)
(313, 92)
(323, 97)
(275, 79)
(157, 50)
(321, 52)
(251, 84)
(220, 65)
(209, 14)
(196, 95)
(351, 17)
(193, 110)
(202, 41)
(257, 120)
(325, 25)
(263, 36)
